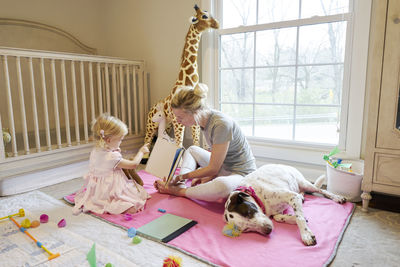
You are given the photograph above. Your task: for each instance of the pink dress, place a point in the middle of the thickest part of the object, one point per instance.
(106, 188)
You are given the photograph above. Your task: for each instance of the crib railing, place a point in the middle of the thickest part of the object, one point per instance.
(48, 101)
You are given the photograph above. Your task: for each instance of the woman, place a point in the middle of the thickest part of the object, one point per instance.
(222, 169)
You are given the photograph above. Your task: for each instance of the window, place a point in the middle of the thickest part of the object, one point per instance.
(284, 69)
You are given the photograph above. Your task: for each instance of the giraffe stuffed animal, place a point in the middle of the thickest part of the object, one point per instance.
(188, 76)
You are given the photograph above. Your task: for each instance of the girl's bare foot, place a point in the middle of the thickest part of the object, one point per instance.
(176, 190)
(131, 210)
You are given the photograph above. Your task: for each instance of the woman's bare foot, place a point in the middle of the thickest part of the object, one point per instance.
(178, 190)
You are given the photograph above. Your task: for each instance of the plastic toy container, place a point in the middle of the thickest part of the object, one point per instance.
(346, 183)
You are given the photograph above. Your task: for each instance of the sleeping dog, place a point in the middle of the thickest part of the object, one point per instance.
(269, 191)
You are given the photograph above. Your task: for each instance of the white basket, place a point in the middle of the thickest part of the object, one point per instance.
(344, 183)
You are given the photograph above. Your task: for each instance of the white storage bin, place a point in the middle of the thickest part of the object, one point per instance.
(344, 183)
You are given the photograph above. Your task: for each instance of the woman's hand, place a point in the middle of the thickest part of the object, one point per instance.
(176, 179)
(198, 181)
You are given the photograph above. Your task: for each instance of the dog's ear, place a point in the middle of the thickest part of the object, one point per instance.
(241, 197)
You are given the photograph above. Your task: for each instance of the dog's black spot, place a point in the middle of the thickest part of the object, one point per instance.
(230, 216)
(226, 218)
(294, 209)
(240, 204)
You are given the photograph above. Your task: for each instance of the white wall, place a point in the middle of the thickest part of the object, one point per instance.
(77, 17)
(153, 30)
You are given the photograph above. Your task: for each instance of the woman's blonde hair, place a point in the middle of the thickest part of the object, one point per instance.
(191, 99)
(107, 126)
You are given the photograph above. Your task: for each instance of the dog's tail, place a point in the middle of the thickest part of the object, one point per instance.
(320, 181)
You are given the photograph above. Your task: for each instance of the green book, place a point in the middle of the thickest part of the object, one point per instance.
(166, 227)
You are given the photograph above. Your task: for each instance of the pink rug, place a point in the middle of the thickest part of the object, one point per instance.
(283, 247)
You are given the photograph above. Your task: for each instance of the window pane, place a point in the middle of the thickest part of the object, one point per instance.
(237, 50)
(277, 10)
(237, 85)
(320, 84)
(275, 85)
(238, 12)
(274, 121)
(276, 47)
(317, 124)
(242, 114)
(311, 8)
(323, 43)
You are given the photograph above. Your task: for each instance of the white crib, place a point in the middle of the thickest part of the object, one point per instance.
(48, 101)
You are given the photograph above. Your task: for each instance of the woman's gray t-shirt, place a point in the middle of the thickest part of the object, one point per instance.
(220, 129)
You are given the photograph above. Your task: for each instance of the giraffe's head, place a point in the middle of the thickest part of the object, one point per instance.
(203, 21)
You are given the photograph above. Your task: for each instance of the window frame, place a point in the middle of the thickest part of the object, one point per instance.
(352, 111)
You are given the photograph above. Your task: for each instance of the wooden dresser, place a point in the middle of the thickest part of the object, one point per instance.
(382, 150)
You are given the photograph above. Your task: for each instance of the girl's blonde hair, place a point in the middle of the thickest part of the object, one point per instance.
(191, 99)
(107, 126)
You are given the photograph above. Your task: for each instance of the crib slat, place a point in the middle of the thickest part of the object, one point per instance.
(121, 85)
(114, 90)
(91, 91)
(84, 111)
(22, 105)
(141, 100)
(107, 88)
(99, 89)
(34, 107)
(75, 102)
(128, 92)
(10, 109)
(45, 109)
(135, 96)
(2, 150)
(65, 98)
(55, 102)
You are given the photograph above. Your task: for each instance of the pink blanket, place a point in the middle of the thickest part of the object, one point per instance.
(283, 247)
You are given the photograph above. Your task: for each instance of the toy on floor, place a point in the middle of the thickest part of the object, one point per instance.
(128, 217)
(35, 223)
(91, 256)
(26, 223)
(44, 218)
(136, 240)
(231, 230)
(21, 213)
(62, 223)
(39, 244)
(172, 261)
(131, 232)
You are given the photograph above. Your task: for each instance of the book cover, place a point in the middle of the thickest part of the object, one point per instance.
(164, 159)
(166, 227)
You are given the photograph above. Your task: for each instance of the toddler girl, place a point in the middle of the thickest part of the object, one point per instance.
(106, 188)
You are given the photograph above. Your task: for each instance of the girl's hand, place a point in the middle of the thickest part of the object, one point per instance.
(144, 149)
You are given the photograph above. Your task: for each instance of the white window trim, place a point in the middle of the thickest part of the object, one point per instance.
(354, 101)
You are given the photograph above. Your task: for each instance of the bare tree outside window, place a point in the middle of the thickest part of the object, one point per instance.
(284, 80)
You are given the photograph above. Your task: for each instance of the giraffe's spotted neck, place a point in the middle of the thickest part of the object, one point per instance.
(188, 74)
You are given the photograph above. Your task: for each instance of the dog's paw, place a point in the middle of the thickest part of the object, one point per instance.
(340, 199)
(309, 238)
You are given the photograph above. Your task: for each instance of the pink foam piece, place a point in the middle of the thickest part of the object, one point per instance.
(62, 223)
(283, 247)
(44, 218)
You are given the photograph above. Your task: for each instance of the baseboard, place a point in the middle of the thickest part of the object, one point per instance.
(32, 181)
(310, 171)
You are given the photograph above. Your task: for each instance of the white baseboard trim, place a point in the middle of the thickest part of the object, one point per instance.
(32, 181)
(310, 171)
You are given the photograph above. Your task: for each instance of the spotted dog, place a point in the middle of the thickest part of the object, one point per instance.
(269, 191)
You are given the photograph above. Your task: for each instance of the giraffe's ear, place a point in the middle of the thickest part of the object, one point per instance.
(193, 20)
